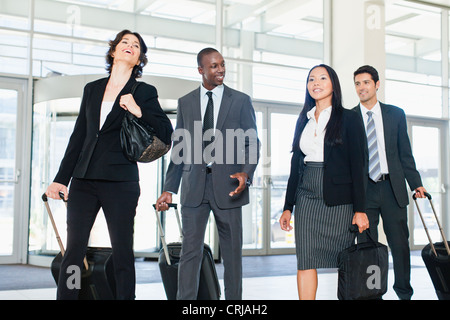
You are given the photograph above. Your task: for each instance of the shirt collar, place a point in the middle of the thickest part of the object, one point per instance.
(310, 113)
(218, 90)
(376, 109)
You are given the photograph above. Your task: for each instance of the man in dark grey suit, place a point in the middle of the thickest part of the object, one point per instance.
(390, 163)
(214, 156)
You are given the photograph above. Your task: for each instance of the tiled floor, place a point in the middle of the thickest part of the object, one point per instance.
(282, 287)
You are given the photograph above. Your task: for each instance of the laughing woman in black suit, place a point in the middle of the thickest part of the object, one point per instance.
(326, 183)
(100, 175)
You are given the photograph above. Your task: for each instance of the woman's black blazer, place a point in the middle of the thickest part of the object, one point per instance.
(97, 154)
(345, 167)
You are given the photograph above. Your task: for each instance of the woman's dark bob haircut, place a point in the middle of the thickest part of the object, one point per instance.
(137, 70)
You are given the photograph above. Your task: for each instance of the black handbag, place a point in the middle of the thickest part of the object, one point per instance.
(363, 270)
(138, 139)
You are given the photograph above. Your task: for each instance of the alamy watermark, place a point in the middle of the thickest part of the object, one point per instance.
(233, 146)
(74, 280)
(374, 280)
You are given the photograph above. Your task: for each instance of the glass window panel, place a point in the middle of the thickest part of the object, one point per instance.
(184, 10)
(413, 30)
(8, 111)
(427, 154)
(413, 57)
(279, 84)
(415, 99)
(252, 213)
(282, 134)
(16, 22)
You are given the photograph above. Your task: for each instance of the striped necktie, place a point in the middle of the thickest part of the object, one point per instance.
(374, 158)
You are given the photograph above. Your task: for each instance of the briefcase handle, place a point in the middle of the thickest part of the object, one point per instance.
(354, 229)
(425, 226)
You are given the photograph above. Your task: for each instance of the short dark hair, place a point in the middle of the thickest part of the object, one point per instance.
(203, 53)
(367, 69)
(137, 70)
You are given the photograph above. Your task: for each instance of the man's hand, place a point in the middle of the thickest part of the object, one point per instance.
(420, 192)
(242, 177)
(361, 220)
(163, 201)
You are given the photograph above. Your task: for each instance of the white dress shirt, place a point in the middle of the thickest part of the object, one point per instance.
(217, 99)
(313, 136)
(378, 119)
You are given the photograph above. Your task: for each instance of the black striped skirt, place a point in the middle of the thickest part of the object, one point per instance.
(321, 231)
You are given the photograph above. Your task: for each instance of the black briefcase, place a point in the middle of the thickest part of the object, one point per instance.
(169, 256)
(363, 270)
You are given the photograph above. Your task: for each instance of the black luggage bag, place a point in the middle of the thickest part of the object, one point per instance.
(97, 282)
(169, 256)
(363, 270)
(436, 257)
(97, 276)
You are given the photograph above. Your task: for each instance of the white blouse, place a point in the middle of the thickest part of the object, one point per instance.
(313, 136)
(104, 111)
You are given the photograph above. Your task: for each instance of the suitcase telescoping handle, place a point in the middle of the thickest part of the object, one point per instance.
(438, 223)
(161, 231)
(58, 238)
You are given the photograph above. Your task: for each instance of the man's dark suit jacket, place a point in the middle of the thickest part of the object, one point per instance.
(400, 160)
(345, 167)
(97, 154)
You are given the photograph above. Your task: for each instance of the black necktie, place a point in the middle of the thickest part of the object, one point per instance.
(208, 121)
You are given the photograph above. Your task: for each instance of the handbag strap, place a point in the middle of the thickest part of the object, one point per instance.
(134, 87)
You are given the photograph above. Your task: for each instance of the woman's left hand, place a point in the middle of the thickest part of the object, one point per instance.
(127, 102)
(361, 220)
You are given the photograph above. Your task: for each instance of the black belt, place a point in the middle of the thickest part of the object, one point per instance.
(383, 177)
(208, 170)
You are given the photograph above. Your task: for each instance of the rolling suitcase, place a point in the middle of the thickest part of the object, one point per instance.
(436, 257)
(169, 256)
(97, 277)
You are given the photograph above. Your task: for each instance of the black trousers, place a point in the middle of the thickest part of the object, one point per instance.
(381, 201)
(118, 201)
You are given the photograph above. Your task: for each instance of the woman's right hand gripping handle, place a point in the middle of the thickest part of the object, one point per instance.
(285, 221)
(54, 189)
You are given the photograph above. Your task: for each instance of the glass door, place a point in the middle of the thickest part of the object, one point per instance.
(12, 212)
(428, 140)
(281, 136)
(262, 232)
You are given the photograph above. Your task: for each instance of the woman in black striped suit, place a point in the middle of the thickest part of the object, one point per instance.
(327, 179)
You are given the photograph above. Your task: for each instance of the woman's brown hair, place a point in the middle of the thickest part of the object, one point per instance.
(137, 70)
